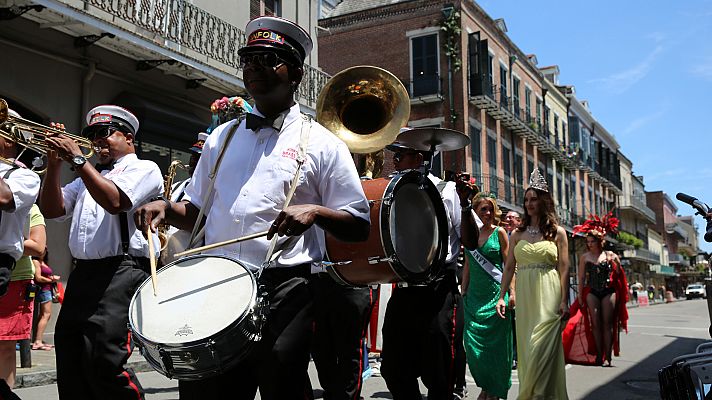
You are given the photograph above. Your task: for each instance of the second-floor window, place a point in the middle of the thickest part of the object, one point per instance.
(528, 103)
(425, 65)
(503, 84)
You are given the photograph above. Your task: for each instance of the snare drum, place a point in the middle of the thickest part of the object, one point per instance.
(408, 240)
(205, 319)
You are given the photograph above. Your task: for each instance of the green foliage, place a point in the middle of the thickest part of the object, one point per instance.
(451, 28)
(630, 240)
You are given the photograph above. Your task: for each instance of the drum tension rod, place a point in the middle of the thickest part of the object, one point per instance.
(378, 259)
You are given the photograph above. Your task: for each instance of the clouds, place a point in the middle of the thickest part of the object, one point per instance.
(643, 120)
(620, 82)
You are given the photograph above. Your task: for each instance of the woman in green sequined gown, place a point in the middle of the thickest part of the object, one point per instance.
(488, 338)
(540, 253)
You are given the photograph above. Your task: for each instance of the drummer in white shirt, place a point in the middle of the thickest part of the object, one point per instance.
(249, 193)
(91, 336)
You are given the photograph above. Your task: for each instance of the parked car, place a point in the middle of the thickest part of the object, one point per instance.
(695, 290)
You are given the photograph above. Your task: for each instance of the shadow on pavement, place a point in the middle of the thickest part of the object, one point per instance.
(641, 380)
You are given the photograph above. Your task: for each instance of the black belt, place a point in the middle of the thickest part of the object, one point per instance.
(7, 261)
(143, 262)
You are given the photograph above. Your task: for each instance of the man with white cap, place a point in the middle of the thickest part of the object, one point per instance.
(422, 329)
(18, 192)
(91, 336)
(262, 156)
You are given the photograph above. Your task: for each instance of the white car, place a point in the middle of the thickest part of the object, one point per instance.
(695, 290)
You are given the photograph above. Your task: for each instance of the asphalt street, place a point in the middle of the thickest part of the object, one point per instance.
(656, 335)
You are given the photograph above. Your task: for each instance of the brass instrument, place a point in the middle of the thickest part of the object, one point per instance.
(31, 135)
(162, 229)
(365, 107)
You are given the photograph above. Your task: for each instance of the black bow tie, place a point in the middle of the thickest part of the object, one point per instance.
(255, 122)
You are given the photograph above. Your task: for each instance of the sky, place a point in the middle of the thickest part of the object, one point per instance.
(645, 68)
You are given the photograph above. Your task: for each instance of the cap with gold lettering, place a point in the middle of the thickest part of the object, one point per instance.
(279, 34)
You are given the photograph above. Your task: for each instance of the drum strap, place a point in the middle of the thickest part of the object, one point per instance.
(486, 265)
(301, 159)
(196, 236)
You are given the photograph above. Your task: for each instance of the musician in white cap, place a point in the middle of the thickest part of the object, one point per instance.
(91, 336)
(262, 155)
(18, 192)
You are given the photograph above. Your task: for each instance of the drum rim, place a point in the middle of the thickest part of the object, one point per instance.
(238, 321)
(399, 269)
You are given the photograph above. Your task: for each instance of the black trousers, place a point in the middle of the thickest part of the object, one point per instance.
(277, 366)
(421, 329)
(341, 318)
(91, 336)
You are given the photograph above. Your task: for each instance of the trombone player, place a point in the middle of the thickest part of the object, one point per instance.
(92, 339)
(18, 192)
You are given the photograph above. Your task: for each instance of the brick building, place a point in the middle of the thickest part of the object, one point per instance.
(463, 72)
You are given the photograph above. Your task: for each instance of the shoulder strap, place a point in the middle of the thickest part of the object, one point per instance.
(301, 159)
(207, 196)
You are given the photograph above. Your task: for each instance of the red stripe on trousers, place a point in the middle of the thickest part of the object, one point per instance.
(132, 385)
(451, 384)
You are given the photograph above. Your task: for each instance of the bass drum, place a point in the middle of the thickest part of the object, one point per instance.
(205, 317)
(408, 238)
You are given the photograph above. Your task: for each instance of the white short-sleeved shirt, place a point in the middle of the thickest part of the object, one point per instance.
(94, 232)
(254, 177)
(25, 186)
(452, 208)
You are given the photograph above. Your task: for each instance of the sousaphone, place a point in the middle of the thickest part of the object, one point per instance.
(365, 107)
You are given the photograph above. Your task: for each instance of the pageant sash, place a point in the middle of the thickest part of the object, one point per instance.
(486, 265)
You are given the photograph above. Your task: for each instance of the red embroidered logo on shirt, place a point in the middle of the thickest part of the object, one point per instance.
(290, 153)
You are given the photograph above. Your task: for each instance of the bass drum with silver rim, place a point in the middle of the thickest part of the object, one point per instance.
(204, 319)
(408, 238)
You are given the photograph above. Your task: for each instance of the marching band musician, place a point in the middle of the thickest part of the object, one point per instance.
(250, 189)
(178, 189)
(18, 192)
(422, 328)
(91, 337)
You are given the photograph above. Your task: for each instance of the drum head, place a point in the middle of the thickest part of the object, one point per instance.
(417, 226)
(197, 298)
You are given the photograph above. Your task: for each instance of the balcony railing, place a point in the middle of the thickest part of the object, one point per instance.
(181, 27)
(643, 254)
(503, 189)
(639, 205)
(679, 260)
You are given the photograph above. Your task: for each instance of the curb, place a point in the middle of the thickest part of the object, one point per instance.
(49, 377)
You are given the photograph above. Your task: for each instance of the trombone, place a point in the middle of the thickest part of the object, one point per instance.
(32, 135)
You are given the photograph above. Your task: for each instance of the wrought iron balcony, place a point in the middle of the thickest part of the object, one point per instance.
(638, 205)
(181, 30)
(502, 189)
(642, 254)
(677, 259)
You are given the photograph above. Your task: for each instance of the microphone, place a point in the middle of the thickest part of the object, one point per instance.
(696, 204)
(701, 209)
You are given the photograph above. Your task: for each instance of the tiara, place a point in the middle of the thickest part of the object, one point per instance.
(537, 181)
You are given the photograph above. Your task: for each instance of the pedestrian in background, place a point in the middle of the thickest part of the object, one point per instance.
(45, 279)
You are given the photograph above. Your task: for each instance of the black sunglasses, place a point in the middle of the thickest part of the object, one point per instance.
(397, 157)
(263, 59)
(102, 132)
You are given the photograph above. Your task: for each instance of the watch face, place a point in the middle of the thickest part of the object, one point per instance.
(78, 160)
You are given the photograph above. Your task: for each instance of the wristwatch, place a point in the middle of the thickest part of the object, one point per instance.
(78, 161)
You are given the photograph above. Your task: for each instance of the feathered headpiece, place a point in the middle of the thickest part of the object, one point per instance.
(537, 181)
(598, 226)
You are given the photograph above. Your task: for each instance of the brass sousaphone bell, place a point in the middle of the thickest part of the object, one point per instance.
(365, 107)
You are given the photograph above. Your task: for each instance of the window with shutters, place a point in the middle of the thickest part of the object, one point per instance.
(503, 99)
(528, 103)
(507, 169)
(424, 62)
(475, 145)
(492, 160)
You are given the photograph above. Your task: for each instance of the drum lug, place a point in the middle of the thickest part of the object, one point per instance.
(167, 362)
(378, 259)
(388, 199)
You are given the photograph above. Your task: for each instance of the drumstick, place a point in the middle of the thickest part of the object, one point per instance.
(152, 258)
(220, 244)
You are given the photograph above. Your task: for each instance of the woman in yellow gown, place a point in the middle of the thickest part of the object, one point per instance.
(539, 251)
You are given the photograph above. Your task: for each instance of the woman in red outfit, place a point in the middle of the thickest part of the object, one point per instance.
(603, 294)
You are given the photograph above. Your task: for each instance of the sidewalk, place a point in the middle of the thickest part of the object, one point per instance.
(43, 370)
